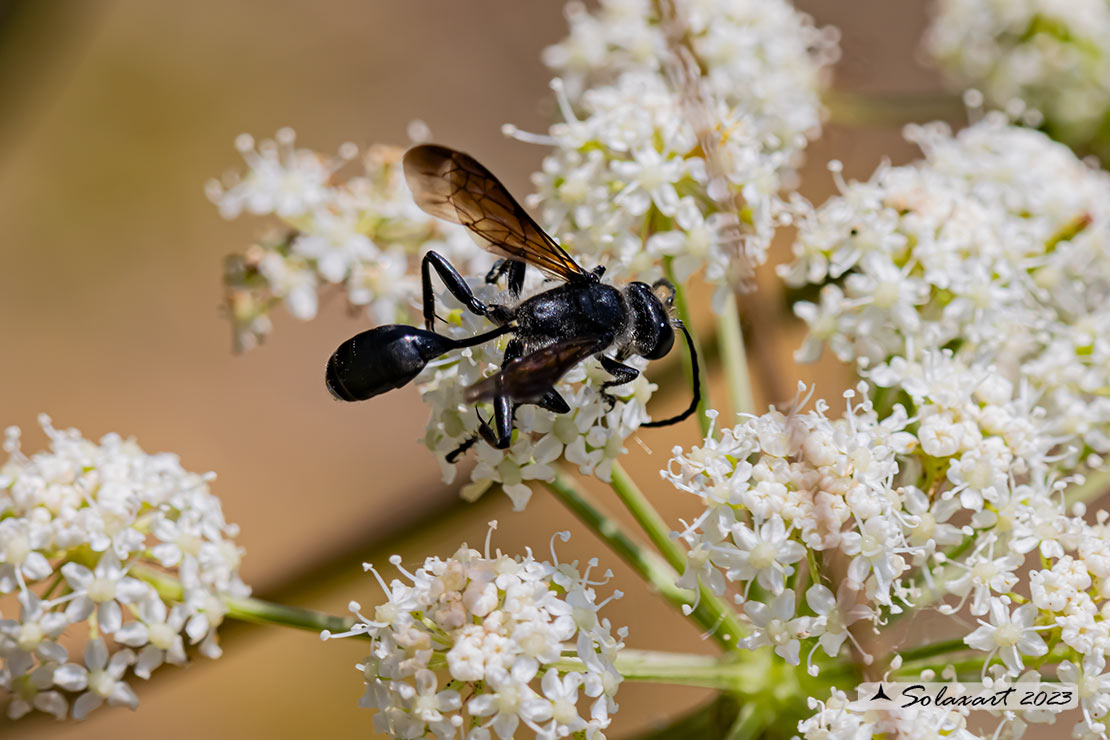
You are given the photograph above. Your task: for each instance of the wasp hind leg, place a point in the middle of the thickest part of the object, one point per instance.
(621, 374)
(457, 287)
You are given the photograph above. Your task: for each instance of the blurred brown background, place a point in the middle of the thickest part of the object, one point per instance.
(113, 116)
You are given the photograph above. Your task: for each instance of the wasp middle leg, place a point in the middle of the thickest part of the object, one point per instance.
(504, 411)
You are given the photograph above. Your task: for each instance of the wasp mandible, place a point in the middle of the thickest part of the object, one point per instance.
(552, 331)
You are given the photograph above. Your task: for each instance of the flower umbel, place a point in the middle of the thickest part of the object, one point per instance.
(82, 528)
(1051, 56)
(699, 158)
(363, 235)
(478, 644)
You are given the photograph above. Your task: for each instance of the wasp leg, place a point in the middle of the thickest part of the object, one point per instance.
(454, 454)
(514, 269)
(500, 268)
(516, 278)
(455, 285)
(554, 402)
(621, 374)
(504, 408)
(551, 400)
(513, 350)
(503, 419)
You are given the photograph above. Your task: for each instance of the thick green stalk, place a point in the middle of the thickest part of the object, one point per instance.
(934, 649)
(647, 517)
(883, 109)
(648, 564)
(652, 568)
(634, 665)
(751, 722)
(713, 613)
(973, 667)
(249, 609)
(734, 358)
(682, 308)
(676, 669)
(267, 612)
(711, 720)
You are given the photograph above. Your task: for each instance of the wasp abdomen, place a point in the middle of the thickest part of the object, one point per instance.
(381, 359)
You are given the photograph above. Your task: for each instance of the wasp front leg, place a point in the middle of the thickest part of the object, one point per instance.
(621, 374)
(514, 269)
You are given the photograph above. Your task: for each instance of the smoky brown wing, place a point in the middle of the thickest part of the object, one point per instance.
(527, 378)
(453, 186)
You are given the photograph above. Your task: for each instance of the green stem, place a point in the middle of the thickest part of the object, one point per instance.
(249, 609)
(676, 669)
(734, 359)
(883, 109)
(648, 564)
(634, 665)
(267, 612)
(710, 720)
(647, 517)
(750, 723)
(713, 612)
(682, 308)
(934, 649)
(1069, 230)
(973, 667)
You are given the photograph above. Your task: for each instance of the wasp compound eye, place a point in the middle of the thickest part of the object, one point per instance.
(381, 359)
(652, 330)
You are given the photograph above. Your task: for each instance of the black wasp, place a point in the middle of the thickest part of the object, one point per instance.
(551, 332)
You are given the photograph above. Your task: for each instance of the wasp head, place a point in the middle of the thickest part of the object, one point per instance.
(650, 318)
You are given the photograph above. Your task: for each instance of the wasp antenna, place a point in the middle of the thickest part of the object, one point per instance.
(695, 379)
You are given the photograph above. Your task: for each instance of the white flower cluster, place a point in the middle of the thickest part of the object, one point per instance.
(951, 503)
(590, 436)
(875, 497)
(1053, 56)
(996, 244)
(475, 645)
(646, 168)
(85, 530)
(985, 457)
(779, 487)
(363, 233)
(838, 718)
